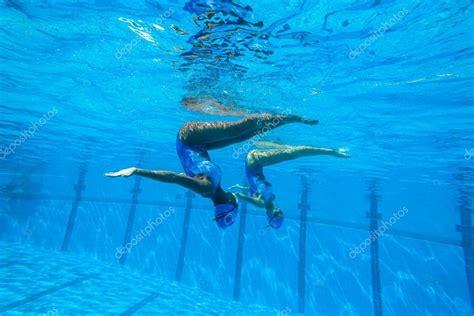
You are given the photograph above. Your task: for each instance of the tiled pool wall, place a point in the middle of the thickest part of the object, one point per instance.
(415, 272)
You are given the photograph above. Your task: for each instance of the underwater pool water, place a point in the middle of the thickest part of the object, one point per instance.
(89, 87)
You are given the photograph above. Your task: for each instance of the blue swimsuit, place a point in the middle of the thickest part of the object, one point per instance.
(258, 185)
(195, 160)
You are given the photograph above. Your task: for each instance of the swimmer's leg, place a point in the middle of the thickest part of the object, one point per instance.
(271, 145)
(270, 157)
(221, 134)
(242, 138)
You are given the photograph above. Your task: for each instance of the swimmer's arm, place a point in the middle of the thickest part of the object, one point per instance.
(171, 177)
(258, 202)
(162, 176)
(238, 186)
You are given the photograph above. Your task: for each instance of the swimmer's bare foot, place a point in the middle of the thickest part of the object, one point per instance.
(309, 121)
(271, 121)
(300, 119)
(297, 119)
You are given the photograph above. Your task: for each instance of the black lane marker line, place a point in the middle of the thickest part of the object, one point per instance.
(466, 229)
(131, 218)
(240, 251)
(303, 207)
(184, 235)
(374, 217)
(41, 294)
(79, 187)
(140, 304)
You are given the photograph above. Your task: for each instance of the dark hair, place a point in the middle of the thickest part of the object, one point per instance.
(222, 197)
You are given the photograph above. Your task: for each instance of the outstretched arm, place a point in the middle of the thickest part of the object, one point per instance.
(238, 186)
(198, 186)
(258, 201)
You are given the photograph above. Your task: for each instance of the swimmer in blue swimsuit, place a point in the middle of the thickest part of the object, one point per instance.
(260, 190)
(202, 176)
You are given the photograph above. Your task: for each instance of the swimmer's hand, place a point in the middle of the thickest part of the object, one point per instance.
(341, 153)
(122, 173)
(256, 201)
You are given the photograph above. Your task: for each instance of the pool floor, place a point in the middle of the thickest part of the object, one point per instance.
(35, 281)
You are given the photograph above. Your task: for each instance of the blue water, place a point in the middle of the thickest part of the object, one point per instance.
(89, 87)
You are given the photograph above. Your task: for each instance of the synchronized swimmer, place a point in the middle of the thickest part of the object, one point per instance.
(196, 139)
(259, 189)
